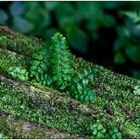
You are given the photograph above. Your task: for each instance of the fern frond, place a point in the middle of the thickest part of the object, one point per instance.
(61, 61)
(80, 90)
(40, 66)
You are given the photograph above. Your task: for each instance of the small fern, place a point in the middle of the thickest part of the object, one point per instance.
(40, 67)
(53, 66)
(18, 72)
(61, 61)
(80, 91)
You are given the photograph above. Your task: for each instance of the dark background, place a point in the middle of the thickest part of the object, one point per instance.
(106, 33)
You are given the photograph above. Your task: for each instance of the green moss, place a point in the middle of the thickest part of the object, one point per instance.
(14, 127)
(119, 117)
(37, 110)
(10, 59)
(131, 129)
(19, 43)
(18, 72)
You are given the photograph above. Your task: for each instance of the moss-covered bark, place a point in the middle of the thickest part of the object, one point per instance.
(14, 127)
(10, 59)
(115, 92)
(18, 43)
(44, 107)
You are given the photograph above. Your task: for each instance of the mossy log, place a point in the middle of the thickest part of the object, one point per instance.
(16, 127)
(47, 107)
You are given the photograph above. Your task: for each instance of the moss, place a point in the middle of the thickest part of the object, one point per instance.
(20, 44)
(119, 117)
(15, 127)
(131, 129)
(8, 59)
(32, 109)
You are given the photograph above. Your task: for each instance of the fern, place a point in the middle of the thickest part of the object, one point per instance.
(79, 89)
(53, 66)
(40, 67)
(61, 61)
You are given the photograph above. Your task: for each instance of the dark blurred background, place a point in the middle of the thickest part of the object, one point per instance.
(106, 33)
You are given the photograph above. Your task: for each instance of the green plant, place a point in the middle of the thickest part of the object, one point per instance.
(136, 90)
(134, 16)
(105, 25)
(92, 30)
(126, 46)
(62, 69)
(39, 69)
(53, 66)
(113, 133)
(79, 88)
(18, 72)
(97, 130)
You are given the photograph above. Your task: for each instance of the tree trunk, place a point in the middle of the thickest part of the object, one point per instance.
(47, 109)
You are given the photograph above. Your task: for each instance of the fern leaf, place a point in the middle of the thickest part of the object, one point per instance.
(61, 61)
